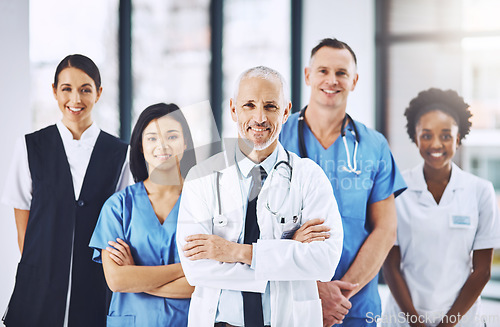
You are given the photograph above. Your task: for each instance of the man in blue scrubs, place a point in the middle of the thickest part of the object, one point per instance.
(364, 176)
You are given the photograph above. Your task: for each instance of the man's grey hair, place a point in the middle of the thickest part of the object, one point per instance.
(264, 73)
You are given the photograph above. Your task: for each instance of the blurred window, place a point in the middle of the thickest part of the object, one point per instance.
(255, 33)
(171, 62)
(170, 52)
(449, 44)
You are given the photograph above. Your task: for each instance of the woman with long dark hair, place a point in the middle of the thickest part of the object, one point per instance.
(135, 235)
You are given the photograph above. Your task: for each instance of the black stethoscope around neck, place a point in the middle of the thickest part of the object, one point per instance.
(351, 167)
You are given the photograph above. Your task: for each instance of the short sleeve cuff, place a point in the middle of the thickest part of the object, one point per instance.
(17, 191)
(489, 243)
(96, 256)
(15, 204)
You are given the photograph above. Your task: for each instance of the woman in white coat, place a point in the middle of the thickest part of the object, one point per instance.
(448, 224)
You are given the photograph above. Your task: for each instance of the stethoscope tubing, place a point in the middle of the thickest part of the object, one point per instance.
(351, 167)
(218, 173)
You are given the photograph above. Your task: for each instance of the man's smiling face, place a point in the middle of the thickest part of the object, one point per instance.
(260, 111)
(331, 76)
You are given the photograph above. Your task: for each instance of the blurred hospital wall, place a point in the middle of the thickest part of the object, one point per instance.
(15, 121)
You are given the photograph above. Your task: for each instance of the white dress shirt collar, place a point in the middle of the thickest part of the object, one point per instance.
(245, 165)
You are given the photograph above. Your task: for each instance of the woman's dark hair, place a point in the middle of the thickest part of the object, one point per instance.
(447, 101)
(137, 162)
(81, 62)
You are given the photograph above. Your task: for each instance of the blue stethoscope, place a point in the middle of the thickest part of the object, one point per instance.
(351, 167)
(284, 165)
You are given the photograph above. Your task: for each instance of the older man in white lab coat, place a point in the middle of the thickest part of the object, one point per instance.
(248, 231)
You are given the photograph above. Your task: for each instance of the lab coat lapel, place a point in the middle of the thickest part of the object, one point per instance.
(419, 185)
(229, 183)
(455, 183)
(230, 191)
(425, 198)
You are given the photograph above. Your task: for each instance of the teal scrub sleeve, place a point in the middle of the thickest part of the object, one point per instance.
(109, 227)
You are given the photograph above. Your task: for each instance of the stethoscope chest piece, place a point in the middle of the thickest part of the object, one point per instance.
(220, 221)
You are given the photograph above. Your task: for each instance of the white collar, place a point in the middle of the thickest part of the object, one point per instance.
(245, 165)
(419, 184)
(89, 136)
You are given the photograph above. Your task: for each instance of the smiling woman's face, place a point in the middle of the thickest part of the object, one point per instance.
(163, 143)
(437, 139)
(76, 95)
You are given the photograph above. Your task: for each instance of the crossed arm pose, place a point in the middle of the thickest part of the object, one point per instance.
(204, 246)
(168, 281)
(135, 235)
(124, 276)
(217, 263)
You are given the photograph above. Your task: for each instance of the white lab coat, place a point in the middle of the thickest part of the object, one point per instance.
(436, 242)
(291, 267)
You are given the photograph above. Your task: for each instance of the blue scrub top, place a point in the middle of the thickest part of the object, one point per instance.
(379, 178)
(129, 215)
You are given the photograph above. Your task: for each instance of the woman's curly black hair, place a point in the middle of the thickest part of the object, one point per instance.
(447, 101)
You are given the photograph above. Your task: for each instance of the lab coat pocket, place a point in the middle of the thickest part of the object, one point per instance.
(307, 313)
(121, 321)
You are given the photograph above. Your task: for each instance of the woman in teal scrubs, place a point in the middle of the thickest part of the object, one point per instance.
(135, 235)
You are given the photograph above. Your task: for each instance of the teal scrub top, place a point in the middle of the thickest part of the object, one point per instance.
(129, 215)
(379, 178)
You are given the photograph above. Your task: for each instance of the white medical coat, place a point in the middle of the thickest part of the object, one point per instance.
(291, 267)
(436, 242)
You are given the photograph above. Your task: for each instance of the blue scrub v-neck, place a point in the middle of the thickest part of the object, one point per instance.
(175, 208)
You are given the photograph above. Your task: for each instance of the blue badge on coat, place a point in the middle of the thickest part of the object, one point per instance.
(460, 221)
